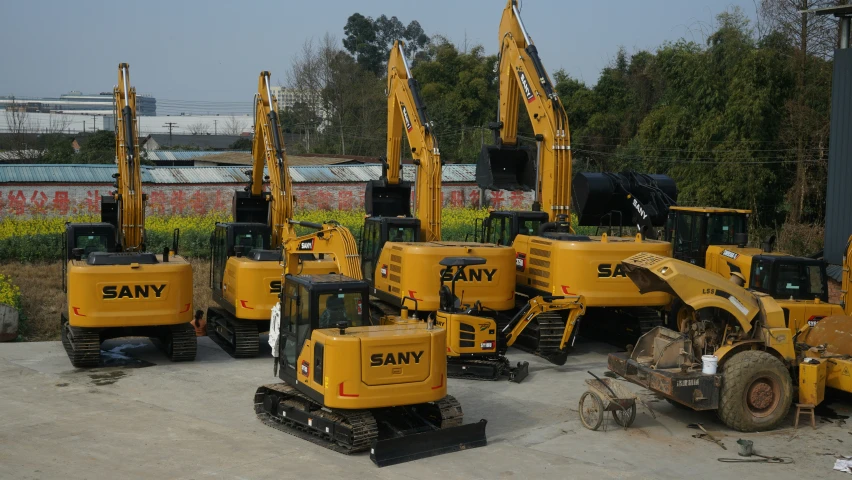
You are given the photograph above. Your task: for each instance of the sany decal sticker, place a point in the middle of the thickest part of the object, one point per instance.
(406, 118)
(306, 244)
(730, 254)
(521, 262)
(526, 87)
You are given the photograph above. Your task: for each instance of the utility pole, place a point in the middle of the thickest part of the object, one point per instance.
(214, 127)
(170, 126)
(94, 125)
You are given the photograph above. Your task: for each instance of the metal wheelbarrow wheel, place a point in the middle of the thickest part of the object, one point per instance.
(591, 410)
(624, 417)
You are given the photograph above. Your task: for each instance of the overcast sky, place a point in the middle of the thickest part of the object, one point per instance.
(213, 50)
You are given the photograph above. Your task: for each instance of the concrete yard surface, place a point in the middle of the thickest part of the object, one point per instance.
(144, 417)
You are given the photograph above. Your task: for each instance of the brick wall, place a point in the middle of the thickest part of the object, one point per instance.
(62, 200)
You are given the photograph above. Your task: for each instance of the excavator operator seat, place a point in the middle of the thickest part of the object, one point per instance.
(506, 167)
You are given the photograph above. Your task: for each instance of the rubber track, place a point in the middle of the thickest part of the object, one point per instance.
(360, 422)
(84, 346)
(499, 366)
(184, 345)
(648, 318)
(543, 335)
(451, 412)
(246, 332)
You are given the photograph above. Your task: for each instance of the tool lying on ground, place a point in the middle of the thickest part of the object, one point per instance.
(706, 435)
(747, 450)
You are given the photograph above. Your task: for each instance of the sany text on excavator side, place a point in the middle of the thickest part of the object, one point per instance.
(114, 287)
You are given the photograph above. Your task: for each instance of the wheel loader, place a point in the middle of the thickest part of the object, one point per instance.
(760, 359)
(351, 386)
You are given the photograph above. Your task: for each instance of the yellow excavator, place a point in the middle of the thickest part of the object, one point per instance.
(401, 252)
(736, 353)
(551, 259)
(717, 238)
(245, 260)
(348, 385)
(114, 287)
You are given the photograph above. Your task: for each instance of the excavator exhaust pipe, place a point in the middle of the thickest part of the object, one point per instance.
(385, 200)
(506, 168)
(396, 450)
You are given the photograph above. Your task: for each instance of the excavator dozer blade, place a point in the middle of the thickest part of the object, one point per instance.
(383, 200)
(506, 168)
(403, 449)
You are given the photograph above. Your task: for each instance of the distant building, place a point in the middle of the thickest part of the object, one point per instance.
(76, 102)
(201, 142)
(289, 97)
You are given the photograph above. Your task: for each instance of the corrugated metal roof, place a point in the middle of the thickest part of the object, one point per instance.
(16, 174)
(835, 272)
(62, 174)
(181, 154)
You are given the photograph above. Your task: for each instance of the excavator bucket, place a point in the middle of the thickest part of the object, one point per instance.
(608, 198)
(250, 209)
(506, 168)
(384, 200)
(428, 444)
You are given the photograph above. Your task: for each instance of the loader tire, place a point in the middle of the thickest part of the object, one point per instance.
(756, 392)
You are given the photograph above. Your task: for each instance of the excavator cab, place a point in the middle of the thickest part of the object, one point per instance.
(501, 228)
(380, 230)
(506, 167)
(692, 229)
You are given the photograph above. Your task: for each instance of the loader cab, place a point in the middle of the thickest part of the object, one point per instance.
(501, 228)
(380, 230)
(310, 302)
(786, 277)
(249, 240)
(692, 229)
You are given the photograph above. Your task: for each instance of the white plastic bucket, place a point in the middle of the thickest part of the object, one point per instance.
(709, 364)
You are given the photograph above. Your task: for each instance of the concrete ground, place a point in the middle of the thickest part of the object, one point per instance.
(195, 421)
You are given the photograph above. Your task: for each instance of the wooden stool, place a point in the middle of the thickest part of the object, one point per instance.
(805, 408)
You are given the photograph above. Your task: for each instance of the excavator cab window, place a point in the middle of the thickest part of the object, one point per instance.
(340, 307)
(723, 227)
(684, 231)
(295, 324)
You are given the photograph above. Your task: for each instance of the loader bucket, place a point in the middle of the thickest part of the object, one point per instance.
(250, 209)
(383, 200)
(505, 168)
(428, 444)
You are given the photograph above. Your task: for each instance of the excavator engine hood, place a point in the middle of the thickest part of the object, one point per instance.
(695, 286)
(622, 198)
(386, 200)
(506, 168)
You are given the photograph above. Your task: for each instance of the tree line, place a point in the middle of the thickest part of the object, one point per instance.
(740, 119)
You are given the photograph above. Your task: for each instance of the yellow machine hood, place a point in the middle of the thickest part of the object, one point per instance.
(695, 286)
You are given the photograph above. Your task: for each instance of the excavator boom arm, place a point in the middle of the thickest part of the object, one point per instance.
(407, 112)
(541, 304)
(131, 208)
(330, 240)
(268, 149)
(522, 77)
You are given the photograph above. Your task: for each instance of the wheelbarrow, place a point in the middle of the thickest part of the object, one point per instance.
(606, 395)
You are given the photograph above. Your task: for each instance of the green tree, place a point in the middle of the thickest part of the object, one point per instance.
(242, 143)
(370, 41)
(98, 147)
